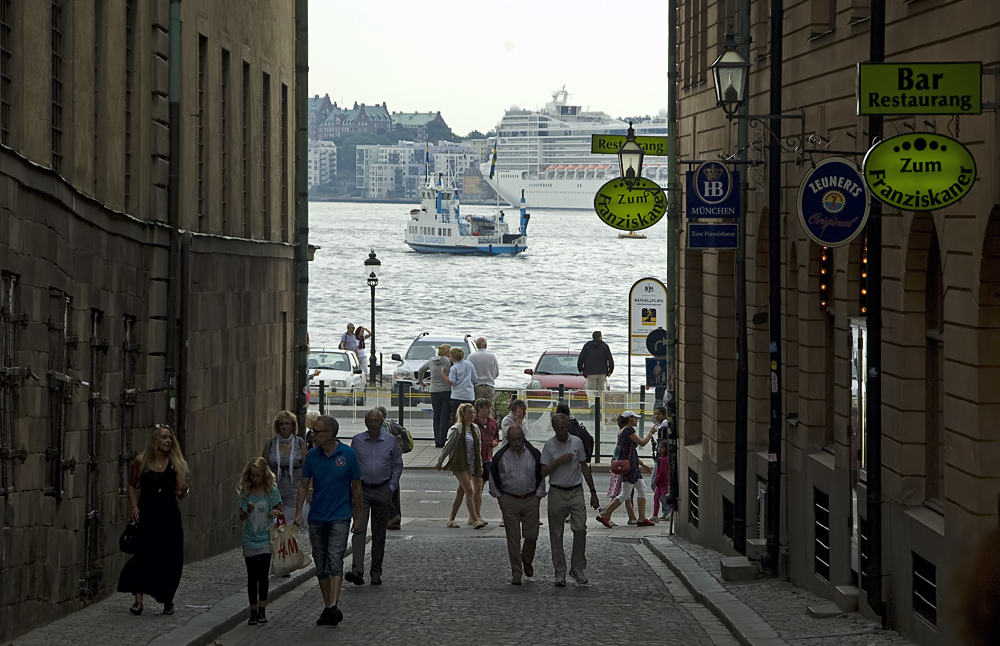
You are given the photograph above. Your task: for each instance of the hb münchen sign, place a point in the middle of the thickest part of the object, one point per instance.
(630, 210)
(919, 171)
(833, 203)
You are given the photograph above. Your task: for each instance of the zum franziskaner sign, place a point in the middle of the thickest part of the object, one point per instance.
(919, 171)
(630, 210)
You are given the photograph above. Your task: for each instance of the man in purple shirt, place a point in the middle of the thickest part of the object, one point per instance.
(516, 481)
(381, 465)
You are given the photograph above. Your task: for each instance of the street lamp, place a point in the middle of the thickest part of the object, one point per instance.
(731, 73)
(372, 267)
(630, 159)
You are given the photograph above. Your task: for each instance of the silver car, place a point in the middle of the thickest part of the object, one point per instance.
(421, 349)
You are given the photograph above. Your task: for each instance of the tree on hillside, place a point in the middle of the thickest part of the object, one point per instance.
(438, 131)
(475, 134)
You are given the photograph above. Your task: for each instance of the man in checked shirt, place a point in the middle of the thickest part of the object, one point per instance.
(517, 483)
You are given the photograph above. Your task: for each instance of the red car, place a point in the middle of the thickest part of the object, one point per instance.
(556, 367)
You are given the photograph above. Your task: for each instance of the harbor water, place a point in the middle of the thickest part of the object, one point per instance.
(573, 279)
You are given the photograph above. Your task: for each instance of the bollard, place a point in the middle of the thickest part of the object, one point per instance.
(562, 394)
(642, 416)
(322, 397)
(402, 391)
(597, 428)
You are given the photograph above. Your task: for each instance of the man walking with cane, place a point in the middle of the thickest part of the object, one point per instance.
(517, 483)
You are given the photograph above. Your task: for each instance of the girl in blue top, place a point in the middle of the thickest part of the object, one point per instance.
(259, 503)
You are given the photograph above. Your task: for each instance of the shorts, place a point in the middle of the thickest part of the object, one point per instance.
(329, 544)
(486, 469)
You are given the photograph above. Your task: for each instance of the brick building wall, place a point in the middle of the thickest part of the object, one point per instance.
(86, 275)
(940, 326)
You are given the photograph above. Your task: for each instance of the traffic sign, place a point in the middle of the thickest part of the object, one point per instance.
(657, 373)
(656, 342)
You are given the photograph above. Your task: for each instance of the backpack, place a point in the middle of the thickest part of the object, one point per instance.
(403, 437)
(579, 430)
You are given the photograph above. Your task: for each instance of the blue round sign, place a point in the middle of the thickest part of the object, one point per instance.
(713, 183)
(833, 202)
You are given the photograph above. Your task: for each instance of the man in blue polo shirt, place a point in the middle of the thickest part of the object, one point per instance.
(333, 471)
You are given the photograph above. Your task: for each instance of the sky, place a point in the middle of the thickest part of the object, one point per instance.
(474, 59)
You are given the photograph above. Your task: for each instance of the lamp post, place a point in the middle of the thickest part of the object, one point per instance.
(630, 158)
(731, 73)
(372, 267)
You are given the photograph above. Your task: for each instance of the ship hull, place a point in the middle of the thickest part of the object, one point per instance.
(548, 194)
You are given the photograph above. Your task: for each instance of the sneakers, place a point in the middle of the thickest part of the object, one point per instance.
(261, 616)
(354, 577)
(376, 580)
(604, 521)
(330, 617)
(579, 575)
(253, 618)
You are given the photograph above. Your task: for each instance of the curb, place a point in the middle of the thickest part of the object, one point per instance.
(746, 626)
(232, 611)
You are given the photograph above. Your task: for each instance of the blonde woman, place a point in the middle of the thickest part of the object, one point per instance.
(463, 451)
(259, 504)
(157, 480)
(285, 452)
(440, 391)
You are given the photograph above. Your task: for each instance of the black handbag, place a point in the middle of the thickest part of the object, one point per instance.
(129, 539)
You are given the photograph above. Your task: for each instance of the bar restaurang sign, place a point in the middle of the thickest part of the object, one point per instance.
(920, 88)
(919, 171)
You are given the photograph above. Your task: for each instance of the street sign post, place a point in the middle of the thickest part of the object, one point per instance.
(920, 88)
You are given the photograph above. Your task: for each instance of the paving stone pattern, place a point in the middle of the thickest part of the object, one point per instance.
(443, 590)
(783, 606)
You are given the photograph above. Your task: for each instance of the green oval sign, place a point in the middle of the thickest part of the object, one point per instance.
(630, 210)
(919, 171)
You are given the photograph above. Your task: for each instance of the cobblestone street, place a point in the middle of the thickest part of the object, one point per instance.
(456, 590)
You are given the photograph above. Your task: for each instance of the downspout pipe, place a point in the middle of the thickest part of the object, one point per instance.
(673, 248)
(740, 277)
(300, 382)
(173, 219)
(774, 439)
(183, 331)
(873, 380)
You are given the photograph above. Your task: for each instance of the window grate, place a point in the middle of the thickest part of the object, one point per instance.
(224, 140)
(129, 84)
(924, 589)
(245, 127)
(6, 69)
(202, 61)
(693, 497)
(821, 541)
(57, 53)
(60, 391)
(728, 511)
(863, 552)
(265, 197)
(8, 392)
(284, 163)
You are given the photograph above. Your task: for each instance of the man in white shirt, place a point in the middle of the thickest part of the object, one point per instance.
(564, 462)
(517, 483)
(487, 368)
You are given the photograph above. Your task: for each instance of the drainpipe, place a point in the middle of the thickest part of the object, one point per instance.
(740, 277)
(673, 223)
(173, 214)
(774, 285)
(873, 412)
(183, 331)
(301, 208)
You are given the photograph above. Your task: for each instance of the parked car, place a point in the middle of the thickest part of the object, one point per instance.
(421, 349)
(556, 367)
(342, 376)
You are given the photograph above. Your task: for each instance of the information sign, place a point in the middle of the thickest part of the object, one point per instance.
(647, 310)
(713, 236)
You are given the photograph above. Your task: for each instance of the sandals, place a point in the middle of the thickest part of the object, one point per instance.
(453, 524)
(136, 608)
(168, 609)
(480, 524)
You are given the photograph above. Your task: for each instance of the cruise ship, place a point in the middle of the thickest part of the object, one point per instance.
(547, 155)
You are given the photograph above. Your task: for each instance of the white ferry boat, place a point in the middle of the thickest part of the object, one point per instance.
(438, 226)
(546, 154)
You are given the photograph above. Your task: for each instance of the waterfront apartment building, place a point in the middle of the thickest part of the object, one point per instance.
(397, 171)
(940, 322)
(121, 308)
(322, 162)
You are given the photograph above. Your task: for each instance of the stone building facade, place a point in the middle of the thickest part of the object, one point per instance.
(95, 314)
(941, 319)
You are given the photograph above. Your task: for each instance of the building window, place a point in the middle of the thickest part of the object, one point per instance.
(6, 68)
(284, 163)
(58, 50)
(821, 542)
(693, 497)
(129, 83)
(924, 589)
(245, 148)
(224, 140)
(61, 342)
(823, 18)
(859, 395)
(934, 375)
(265, 185)
(127, 402)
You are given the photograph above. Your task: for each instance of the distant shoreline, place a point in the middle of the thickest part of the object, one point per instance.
(358, 200)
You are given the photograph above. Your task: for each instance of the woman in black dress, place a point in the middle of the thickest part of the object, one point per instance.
(157, 480)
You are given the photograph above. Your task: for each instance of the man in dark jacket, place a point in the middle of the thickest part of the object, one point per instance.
(516, 482)
(596, 363)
